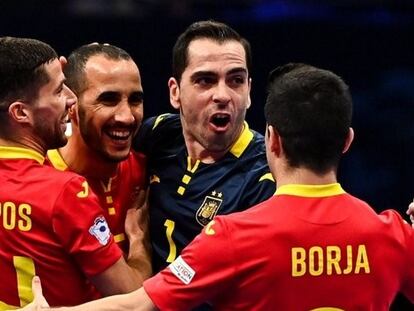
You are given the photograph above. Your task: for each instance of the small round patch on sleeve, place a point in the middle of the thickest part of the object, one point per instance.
(100, 230)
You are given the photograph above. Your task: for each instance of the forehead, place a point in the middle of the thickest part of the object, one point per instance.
(207, 54)
(100, 69)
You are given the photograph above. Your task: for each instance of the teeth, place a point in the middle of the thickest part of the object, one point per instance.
(221, 116)
(119, 134)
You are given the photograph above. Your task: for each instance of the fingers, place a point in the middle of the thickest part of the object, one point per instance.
(142, 198)
(410, 211)
(39, 300)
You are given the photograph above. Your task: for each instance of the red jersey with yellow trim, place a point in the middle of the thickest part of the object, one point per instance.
(118, 194)
(51, 225)
(307, 248)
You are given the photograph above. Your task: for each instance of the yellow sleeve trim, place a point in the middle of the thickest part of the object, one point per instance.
(311, 191)
(56, 159)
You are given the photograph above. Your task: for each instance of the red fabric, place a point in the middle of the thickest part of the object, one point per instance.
(62, 211)
(248, 264)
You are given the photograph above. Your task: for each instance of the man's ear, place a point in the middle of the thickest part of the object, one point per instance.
(274, 140)
(174, 87)
(20, 112)
(249, 100)
(349, 139)
(73, 114)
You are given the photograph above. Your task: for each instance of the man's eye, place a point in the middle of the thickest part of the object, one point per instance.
(205, 81)
(109, 98)
(238, 80)
(136, 99)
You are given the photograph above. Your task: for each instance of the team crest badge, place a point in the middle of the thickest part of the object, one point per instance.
(209, 208)
(100, 230)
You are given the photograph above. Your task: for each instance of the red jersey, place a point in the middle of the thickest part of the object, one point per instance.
(118, 194)
(306, 248)
(51, 225)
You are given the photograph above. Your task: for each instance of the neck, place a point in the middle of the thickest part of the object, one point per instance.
(197, 152)
(83, 161)
(24, 141)
(303, 176)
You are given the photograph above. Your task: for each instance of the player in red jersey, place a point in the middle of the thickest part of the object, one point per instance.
(51, 223)
(107, 115)
(310, 247)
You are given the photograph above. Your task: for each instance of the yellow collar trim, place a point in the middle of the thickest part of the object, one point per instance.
(311, 191)
(20, 153)
(242, 142)
(56, 159)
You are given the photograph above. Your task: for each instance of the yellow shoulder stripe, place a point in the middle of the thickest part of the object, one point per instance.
(159, 119)
(267, 176)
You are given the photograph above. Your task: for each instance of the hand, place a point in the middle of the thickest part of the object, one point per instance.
(39, 302)
(410, 211)
(136, 228)
(136, 221)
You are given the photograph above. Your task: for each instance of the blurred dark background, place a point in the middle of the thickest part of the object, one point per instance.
(369, 43)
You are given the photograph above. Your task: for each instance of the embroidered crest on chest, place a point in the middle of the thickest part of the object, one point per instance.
(209, 208)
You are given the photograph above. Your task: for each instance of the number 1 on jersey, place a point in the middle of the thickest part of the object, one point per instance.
(173, 248)
(25, 271)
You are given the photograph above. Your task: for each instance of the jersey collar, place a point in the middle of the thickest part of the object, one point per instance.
(311, 191)
(56, 160)
(242, 142)
(21, 153)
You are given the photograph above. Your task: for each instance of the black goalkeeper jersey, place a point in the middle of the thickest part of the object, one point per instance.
(184, 197)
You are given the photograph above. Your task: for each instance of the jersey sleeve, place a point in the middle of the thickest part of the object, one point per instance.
(81, 228)
(405, 235)
(205, 268)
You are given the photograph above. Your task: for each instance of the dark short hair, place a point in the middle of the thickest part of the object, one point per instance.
(75, 68)
(210, 29)
(311, 109)
(22, 71)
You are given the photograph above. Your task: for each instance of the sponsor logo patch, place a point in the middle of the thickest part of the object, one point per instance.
(182, 270)
(100, 230)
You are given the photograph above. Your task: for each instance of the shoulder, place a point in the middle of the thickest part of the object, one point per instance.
(163, 131)
(161, 122)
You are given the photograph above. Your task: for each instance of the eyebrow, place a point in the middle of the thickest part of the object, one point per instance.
(204, 73)
(238, 70)
(111, 95)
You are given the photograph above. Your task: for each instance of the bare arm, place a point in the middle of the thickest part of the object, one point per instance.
(137, 300)
(117, 279)
(136, 228)
(126, 276)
